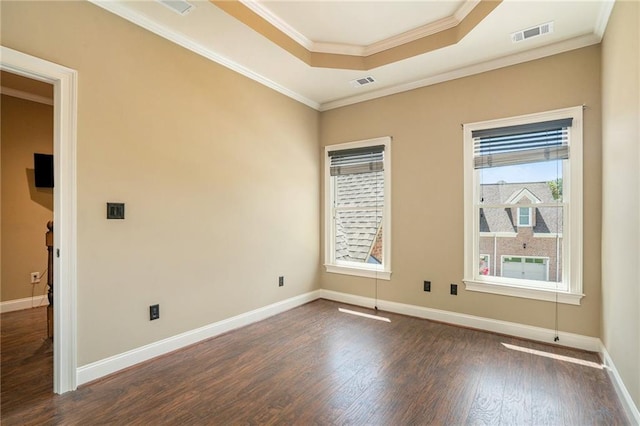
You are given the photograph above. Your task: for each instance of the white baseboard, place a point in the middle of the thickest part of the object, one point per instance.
(95, 370)
(621, 389)
(26, 303)
(503, 327)
(545, 335)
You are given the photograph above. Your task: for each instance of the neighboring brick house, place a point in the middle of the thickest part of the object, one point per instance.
(359, 222)
(520, 242)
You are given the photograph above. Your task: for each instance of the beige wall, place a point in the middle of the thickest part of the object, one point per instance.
(219, 175)
(621, 193)
(427, 182)
(27, 127)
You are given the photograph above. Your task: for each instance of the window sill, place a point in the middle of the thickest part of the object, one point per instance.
(358, 272)
(527, 293)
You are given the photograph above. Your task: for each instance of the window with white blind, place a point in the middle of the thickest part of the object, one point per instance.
(523, 206)
(358, 208)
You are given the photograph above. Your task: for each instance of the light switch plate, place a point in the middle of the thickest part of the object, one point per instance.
(115, 210)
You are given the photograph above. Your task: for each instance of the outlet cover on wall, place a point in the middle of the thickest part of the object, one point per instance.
(154, 312)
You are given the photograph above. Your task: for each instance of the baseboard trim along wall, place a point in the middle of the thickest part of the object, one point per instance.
(625, 398)
(95, 370)
(503, 327)
(544, 335)
(98, 369)
(26, 303)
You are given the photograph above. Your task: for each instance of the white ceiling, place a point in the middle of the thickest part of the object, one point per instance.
(320, 24)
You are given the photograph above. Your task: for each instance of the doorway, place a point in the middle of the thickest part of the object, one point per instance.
(64, 81)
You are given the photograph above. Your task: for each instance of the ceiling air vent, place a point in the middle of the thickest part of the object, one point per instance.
(359, 82)
(179, 6)
(536, 31)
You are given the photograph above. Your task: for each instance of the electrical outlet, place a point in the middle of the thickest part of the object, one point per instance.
(154, 312)
(280, 281)
(454, 289)
(35, 277)
(427, 286)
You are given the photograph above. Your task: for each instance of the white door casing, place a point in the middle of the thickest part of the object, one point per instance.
(64, 81)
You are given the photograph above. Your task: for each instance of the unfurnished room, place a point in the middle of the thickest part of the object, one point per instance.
(320, 212)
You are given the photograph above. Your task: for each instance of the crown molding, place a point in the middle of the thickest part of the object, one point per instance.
(530, 55)
(603, 17)
(187, 43)
(431, 28)
(258, 8)
(575, 43)
(26, 95)
(411, 35)
(438, 37)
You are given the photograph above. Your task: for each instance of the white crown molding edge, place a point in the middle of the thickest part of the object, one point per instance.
(187, 43)
(518, 58)
(539, 334)
(603, 17)
(258, 8)
(26, 303)
(623, 394)
(357, 50)
(20, 94)
(411, 35)
(465, 9)
(95, 370)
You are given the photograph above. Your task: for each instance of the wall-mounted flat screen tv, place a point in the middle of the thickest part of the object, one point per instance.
(43, 170)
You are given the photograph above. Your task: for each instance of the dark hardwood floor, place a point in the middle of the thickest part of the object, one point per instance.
(316, 365)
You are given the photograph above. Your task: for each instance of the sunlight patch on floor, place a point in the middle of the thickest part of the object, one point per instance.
(362, 314)
(555, 356)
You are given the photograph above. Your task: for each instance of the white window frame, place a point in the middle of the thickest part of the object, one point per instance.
(570, 291)
(527, 225)
(368, 270)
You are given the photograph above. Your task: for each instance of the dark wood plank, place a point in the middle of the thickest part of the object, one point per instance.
(315, 365)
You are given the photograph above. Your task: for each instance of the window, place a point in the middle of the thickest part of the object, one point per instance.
(357, 208)
(523, 206)
(485, 264)
(524, 216)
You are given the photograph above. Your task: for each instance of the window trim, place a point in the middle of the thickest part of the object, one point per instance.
(366, 270)
(528, 225)
(572, 234)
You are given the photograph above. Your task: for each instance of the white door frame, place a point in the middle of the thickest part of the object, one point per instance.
(64, 81)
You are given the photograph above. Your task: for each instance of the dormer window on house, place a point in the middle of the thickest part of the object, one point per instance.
(524, 216)
(523, 206)
(524, 198)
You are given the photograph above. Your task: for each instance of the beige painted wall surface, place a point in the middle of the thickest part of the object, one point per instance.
(219, 175)
(27, 127)
(427, 182)
(621, 193)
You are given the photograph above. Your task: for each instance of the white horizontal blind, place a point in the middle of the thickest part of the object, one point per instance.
(357, 160)
(526, 143)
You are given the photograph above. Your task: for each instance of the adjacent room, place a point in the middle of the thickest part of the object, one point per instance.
(320, 212)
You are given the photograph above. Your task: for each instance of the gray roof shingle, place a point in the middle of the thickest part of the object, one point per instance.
(356, 229)
(548, 219)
